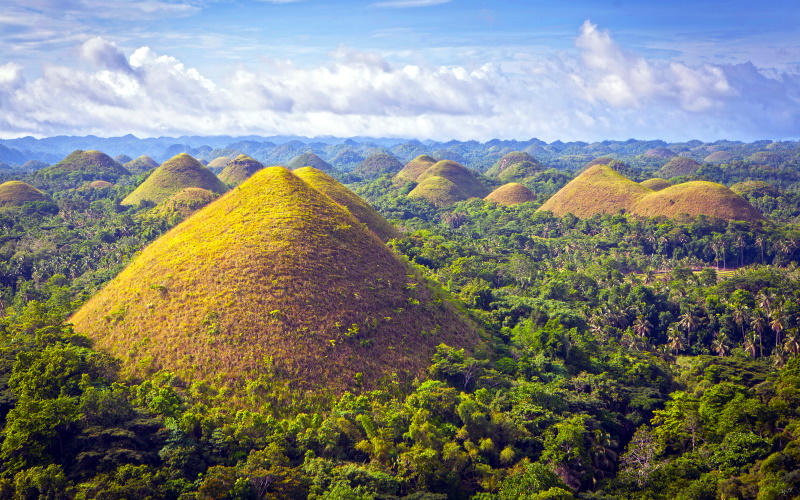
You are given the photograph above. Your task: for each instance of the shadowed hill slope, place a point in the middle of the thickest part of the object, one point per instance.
(439, 191)
(310, 160)
(239, 170)
(359, 208)
(697, 198)
(510, 194)
(181, 171)
(656, 184)
(599, 189)
(219, 163)
(459, 175)
(755, 188)
(273, 285)
(15, 193)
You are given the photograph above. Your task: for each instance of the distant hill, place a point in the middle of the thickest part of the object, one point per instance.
(514, 166)
(219, 163)
(656, 183)
(414, 169)
(755, 188)
(16, 193)
(276, 287)
(99, 185)
(447, 182)
(310, 160)
(511, 194)
(660, 153)
(598, 189)
(765, 158)
(680, 165)
(179, 172)
(185, 202)
(697, 198)
(122, 159)
(359, 208)
(719, 157)
(141, 165)
(239, 170)
(84, 166)
(376, 165)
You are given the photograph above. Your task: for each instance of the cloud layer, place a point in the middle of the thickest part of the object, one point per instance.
(602, 91)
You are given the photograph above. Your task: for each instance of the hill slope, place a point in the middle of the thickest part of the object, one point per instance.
(514, 166)
(141, 165)
(359, 208)
(310, 160)
(414, 169)
(14, 193)
(376, 165)
(181, 171)
(272, 285)
(511, 194)
(679, 165)
(697, 198)
(656, 183)
(239, 170)
(85, 165)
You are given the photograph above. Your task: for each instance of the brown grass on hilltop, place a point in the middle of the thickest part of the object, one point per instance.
(276, 293)
(185, 202)
(181, 171)
(697, 198)
(15, 193)
(656, 183)
(510, 194)
(239, 170)
(680, 165)
(310, 160)
(414, 169)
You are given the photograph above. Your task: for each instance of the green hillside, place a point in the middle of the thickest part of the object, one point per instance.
(459, 175)
(239, 170)
(310, 160)
(677, 166)
(141, 165)
(414, 169)
(84, 165)
(181, 171)
(514, 166)
(376, 165)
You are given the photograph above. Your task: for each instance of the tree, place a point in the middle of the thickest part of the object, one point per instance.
(640, 461)
(689, 321)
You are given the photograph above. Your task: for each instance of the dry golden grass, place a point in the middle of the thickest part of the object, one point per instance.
(439, 191)
(719, 157)
(510, 194)
(141, 165)
(680, 165)
(414, 169)
(359, 208)
(697, 198)
(656, 183)
(459, 175)
(219, 162)
(185, 202)
(273, 282)
(239, 170)
(181, 171)
(514, 166)
(15, 193)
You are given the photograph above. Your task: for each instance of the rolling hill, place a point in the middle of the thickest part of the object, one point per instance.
(656, 183)
(447, 182)
(310, 160)
(179, 172)
(697, 198)
(141, 165)
(511, 194)
(239, 170)
(514, 166)
(16, 193)
(376, 165)
(414, 169)
(185, 202)
(677, 166)
(273, 288)
(85, 166)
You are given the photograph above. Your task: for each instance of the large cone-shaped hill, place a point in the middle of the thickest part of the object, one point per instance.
(85, 165)
(680, 165)
(510, 194)
(239, 170)
(376, 165)
(414, 169)
(310, 160)
(359, 208)
(697, 198)
(273, 281)
(141, 165)
(598, 189)
(516, 165)
(15, 193)
(181, 171)
(447, 182)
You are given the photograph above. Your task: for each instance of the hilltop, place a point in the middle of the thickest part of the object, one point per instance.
(218, 163)
(185, 202)
(376, 165)
(84, 166)
(275, 285)
(15, 193)
(414, 169)
(141, 165)
(514, 166)
(677, 166)
(310, 160)
(599, 189)
(510, 194)
(697, 198)
(179, 172)
(656, 183)
(239, 170)
(360, 209)
(447, 182)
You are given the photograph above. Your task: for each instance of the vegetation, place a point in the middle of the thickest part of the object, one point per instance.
(81, 166)
(414, 169)
(599, 189)
(697, 198)
(310, 160)
(180, 172)
(376, 165)
(656, 184)
(678, 166)
(16, 193)
(511, 194)
(141, 165)
(239, 170)
(184, 203)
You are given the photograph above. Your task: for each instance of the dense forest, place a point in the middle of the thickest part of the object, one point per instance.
(625, 357)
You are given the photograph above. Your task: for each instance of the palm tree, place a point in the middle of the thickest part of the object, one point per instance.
(602, 451)
(792, 343)
(739, 314)
(777, 323)
(758, 323)
(764, 299)
(642, 326)
(675, 339)
(749, 345)
(778, 357)
(689, 321)
(719, 345)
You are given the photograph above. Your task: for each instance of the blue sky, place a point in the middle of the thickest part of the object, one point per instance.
(462, 69)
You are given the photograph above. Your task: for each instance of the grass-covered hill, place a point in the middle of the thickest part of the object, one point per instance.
(660, 153)
(680, 165)
(310, 160)
(447, 182)
(598, 189)
(755, 188)
(84, 166)
(360, 209)
(15, 193)
(273, 286)
(414, 169)
(719, 157)
(439, 191)
(510, 194)
(99, 185)
(179, 172)
(185, 202)
(514, 166)
(656, 183)
(765, 158)
(376, 165)
(141, 165)
(239, 170)
(219, 163)
(697, 198)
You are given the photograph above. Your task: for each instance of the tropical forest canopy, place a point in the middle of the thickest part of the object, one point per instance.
(606, 355)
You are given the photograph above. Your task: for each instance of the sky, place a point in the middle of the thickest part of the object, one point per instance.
(426, 69)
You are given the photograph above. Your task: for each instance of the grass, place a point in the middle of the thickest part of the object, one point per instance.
(765, 158)
(181, 171)
(719, 157)
(273, 289)
(697, 198)
(185, 202)
(239, 170)
(757, 188)
(414, 169)
(15, 193)
(439, 191)
(599, 189)
(660, 153)
(219, 162)
(360, 209)
(99, 184)
(310, 160)
(511, 194)
(656, 183)
(459, 175)
(87, 164)
(141, 165)
(377, 165)
(680, 165)
(521, 163)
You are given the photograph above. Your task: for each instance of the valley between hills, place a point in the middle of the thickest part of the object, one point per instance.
(291, 318)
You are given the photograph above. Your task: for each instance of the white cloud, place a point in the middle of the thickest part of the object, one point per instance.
(602, 92)
(402, 4)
